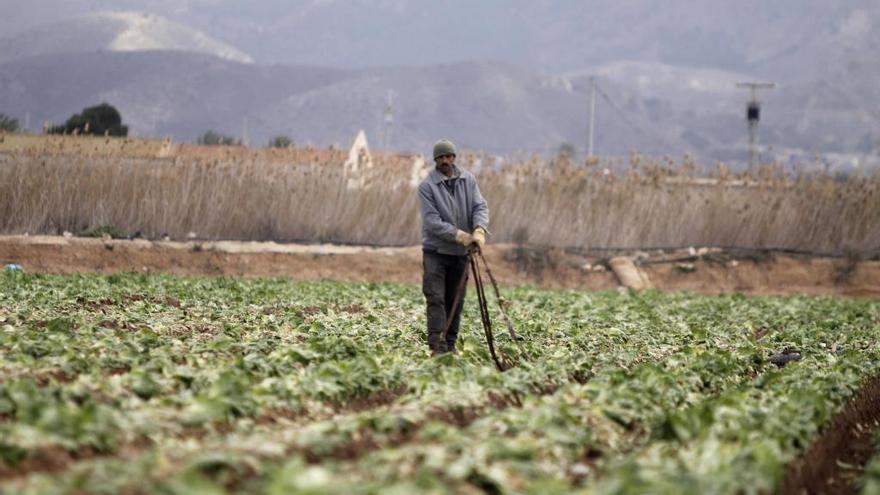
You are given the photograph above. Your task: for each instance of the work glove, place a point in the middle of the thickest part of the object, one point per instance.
(479, 237)
(463, 238)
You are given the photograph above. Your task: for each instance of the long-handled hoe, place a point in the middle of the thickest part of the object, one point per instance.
(473, 257)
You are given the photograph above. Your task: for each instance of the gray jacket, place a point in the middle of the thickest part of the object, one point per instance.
(445, 212)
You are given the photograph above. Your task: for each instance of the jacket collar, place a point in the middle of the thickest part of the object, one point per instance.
(437, 177)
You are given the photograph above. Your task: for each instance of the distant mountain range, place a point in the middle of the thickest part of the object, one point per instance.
(114, 32)
(777, 39)
(666, 85)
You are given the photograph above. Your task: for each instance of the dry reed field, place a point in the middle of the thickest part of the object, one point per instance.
(305, 195)
(86, 145)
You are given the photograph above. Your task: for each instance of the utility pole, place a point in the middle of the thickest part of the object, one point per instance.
(27, 122)
(388, 121)
(753, 116)
(244, 132)
(592, 117)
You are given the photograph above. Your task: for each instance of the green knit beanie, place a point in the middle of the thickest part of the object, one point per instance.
(443, 147)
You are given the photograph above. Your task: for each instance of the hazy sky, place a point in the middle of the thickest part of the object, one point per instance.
(553, 36)
(670, 65)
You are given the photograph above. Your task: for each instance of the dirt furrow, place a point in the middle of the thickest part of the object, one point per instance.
(835, 460)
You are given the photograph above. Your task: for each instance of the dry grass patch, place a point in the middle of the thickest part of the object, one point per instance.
(305, 195)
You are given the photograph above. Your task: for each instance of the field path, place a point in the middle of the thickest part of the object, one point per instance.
(713, 273)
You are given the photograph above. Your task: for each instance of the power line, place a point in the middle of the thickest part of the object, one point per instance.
(592, 117)
(622, 115)
(388, 121)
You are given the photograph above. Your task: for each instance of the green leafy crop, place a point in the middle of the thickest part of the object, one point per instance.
(156, 384)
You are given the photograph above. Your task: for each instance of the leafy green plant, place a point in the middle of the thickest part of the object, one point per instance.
(106, 230)
(163, 384)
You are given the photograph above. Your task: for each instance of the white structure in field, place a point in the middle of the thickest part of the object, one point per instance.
(358, 170)
(418, 172)
(359, 162)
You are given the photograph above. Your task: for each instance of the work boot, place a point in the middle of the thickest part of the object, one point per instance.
(436, 345)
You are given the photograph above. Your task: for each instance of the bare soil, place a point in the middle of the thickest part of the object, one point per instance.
(835, 460)
(715, 273)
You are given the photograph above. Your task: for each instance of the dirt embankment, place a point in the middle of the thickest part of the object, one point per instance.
(709, 272)
(837, 457)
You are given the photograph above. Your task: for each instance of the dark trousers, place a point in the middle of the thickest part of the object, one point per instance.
(440, 281)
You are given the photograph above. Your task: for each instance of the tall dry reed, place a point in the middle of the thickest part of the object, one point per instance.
(233, 194)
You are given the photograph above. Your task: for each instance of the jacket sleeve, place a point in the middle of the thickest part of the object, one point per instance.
(431, 217)
(480, 211)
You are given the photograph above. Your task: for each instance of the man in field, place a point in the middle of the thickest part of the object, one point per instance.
(455, 217)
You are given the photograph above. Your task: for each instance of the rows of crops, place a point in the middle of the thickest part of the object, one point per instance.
(153, 384)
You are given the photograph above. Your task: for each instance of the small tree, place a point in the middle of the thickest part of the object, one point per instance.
(214, 138)
(564, 155)
(103, 119)
(566, 150)
(8, 124)
(281, 142)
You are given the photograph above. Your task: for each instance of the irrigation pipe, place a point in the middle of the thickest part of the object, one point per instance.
(840, 253)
